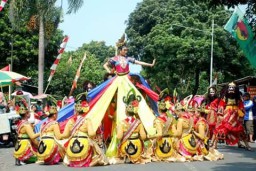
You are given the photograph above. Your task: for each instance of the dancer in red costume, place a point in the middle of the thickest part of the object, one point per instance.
(231, 127)
(211, 108)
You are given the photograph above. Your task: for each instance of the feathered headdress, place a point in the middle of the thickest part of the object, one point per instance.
(82, 105)
(131, 96)
(164, 100)
(121, 42)
(164, 95)
(21, 106)
(51, 107)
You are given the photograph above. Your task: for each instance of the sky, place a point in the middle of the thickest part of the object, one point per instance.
(98, 20)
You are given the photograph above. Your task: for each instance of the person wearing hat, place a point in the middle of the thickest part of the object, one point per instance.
(248, 117)
(26, 145)
(49, 152)
(131, 132)
(81, 150)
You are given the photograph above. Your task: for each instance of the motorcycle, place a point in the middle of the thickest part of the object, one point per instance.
(8, 128)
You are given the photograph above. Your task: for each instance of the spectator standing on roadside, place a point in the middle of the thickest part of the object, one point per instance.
(248, 117)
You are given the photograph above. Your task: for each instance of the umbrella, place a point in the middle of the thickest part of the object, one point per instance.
(24, 93)
(8, 77)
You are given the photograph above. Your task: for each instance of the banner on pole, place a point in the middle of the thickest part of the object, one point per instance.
(240, 29)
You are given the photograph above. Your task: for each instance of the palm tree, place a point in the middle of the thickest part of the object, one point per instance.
(40, 15)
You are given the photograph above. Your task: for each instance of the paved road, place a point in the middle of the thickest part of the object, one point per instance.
(235, 160)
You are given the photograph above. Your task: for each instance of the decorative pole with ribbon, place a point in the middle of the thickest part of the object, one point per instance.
(74, 85)
(3, 2)
(57, 60)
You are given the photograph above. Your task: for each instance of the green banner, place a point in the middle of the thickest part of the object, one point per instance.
(238, 26)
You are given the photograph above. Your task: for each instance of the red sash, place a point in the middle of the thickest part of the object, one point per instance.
(46, 125)
(132, 127)
(20, 124)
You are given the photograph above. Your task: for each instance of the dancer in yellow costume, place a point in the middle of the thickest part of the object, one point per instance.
(49, 152)
(201, 131)
(185, 141)
(81, 150)
(26, 146)
(131, 132)
(163, 141)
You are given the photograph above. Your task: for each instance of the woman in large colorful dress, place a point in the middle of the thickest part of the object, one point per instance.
(26, 146)
(81, 150)
(49, 152)
(119, 85)
(131, 132)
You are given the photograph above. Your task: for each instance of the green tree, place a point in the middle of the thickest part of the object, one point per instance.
(182, 53)
(250, 10)
(22, 47)
(92, 68)
(41, 15)
(99, 49)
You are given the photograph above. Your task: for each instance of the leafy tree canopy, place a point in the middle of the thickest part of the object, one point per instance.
(178, 34)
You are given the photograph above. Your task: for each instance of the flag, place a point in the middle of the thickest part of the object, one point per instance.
(78, 73)
(6, 68)
(57, 60)
(3, 2)
(238, 26)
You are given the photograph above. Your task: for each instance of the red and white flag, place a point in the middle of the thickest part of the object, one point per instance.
(78, 73)
(7, 68)
(57, 60)
(3, 2)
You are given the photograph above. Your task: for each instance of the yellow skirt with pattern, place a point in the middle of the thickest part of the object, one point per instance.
(47, 148)
(188, 145)
(132, 148)
(78, 148)
(164, 147)
(23, 149)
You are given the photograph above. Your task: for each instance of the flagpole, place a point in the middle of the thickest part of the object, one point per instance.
(57, 60)
(47, 86)
(77, 75)
(10, 86)
(211, 65)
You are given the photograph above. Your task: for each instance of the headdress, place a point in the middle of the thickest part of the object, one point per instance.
(132, 101)
(197, 103)
(82, 105)
(164, 100)
(51, 107)
(183, 104)
(231, 87)
(21, 106)
(121, 42)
